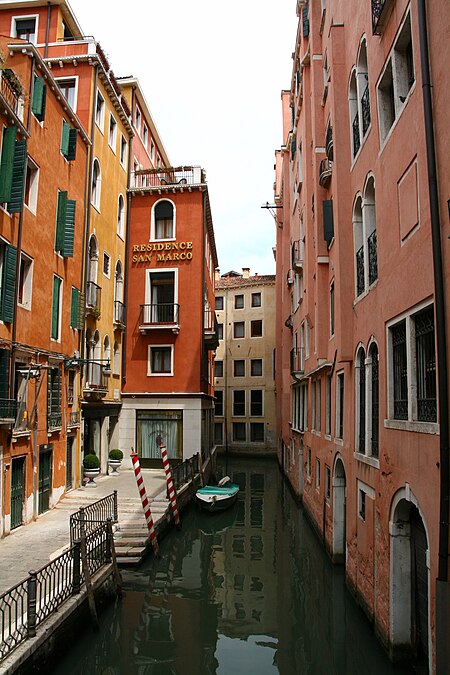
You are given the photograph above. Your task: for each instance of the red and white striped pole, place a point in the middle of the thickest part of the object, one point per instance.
(145, 503)
(170, 485)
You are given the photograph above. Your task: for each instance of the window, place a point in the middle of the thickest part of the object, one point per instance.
(328, 406)
(75, 309)
(106, 264)
(327, 483)
(373, 416)
(152, 151)
(359, 100)
(12, 170)
(256, 328)
(238, 302)
(163, 217)
(123, 151)
(256, 299)
(56, 309)
(238, 329)
(340, 405)
(238, 403)
(68, 87)
(317, 474)
(112, 134)
(397, 80)
(256, 369)
(145, 135)
(256, 402)
(400, 368)
(25, 281)
(313, 407)
(161, 296)
(54, 418)
(71, 387)
(100, 111)
(218, 368)
(219, 402)
(38, 103)
(318, 405)
(31, 185)
(137, 119)
(220, 331)
(365, 239)
(239, 368)
(361, 401)
(96, 184)
(218, 433)
(25, 28)
(116, 359)
(308, 463)
(219, 302)
(65, 225)
(332, 309)
(68, 141)
(257, 432)
(121, 217)
(362, 504)
(239, 434)
(161, 360)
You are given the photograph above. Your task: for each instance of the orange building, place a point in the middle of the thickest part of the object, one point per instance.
(170, 337)
(362, 425)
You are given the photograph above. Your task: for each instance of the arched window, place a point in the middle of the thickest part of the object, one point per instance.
(119, 309)
(359, 100)
(106, 350)
(358, 242)
(354, 114)
(163, 220)
(361, 399)
(92, 290)
(370, 230)
(121, 217)
(96, 184)
(373, 417)
(116, 359)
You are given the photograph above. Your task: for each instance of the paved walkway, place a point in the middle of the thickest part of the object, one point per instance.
(31, 546)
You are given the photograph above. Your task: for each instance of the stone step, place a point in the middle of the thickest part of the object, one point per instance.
(120, 542)
(132, 551)
(128, 561)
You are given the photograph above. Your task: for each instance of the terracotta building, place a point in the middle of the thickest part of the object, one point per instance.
(168, 391)
(360, 345)
(244, 378)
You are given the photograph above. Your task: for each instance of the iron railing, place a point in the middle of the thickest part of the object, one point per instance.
(74, 418)
(87, 518)
(360, 280)
(325, 171)
(373, 257)
(356, 138)
(185, 471)
(329, 142)
(426, 366)
(96, 379)
(365, 110)
(400, 371)
(180, 175)
(375, 402)
(9, 91)
(119, 312)
(8, 408)
(27, 604)
(54, 420)
(157, 314)
(93, 298)
(380, 12)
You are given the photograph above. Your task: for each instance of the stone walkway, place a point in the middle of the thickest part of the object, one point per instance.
(31, 546)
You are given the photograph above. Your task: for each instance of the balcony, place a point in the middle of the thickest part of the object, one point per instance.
(211, 330)
(297, 257)
(381, 10)
(54, 421)
(119, 314)
(297, 362)
(373, 257)
(12, 91)
(96, 380)
(8, 411)
(329, 143)
(73, 419)
(93, 299)
(159, 316)
(365, 110)
(356, 137)
(168, 178)
(360, 273)
(325, 171)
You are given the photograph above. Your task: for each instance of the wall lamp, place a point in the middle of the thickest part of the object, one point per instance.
(75, 361)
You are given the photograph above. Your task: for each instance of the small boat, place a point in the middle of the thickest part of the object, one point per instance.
(217, 497)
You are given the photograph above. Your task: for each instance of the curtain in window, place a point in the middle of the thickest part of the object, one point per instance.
(152, 425)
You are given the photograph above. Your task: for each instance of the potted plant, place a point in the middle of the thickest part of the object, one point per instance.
(91, 466)
(115, 460)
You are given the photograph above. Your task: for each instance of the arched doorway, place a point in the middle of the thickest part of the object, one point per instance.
(409, 596)
(339, 512)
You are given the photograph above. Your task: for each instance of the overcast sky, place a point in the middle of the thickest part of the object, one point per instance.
(212, 73)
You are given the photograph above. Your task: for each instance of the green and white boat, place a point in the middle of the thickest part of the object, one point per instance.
(217, 497)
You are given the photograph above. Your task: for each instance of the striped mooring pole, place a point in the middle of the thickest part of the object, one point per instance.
(170, 485)
(145, 503)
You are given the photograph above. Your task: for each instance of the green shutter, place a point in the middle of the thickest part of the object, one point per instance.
(7, 163)
(74, 308)
(55, 307)
(15, 203)
(39, 98)
(5, 355)
(61, 211)
(69, 229)
(54, 391)
(328, 223)
(81, 311)
(72, 149)
(65, 138)
(8, 283)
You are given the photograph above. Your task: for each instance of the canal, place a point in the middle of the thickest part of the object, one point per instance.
(249, 591)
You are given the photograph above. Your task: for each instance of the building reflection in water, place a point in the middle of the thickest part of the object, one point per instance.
(249, 590)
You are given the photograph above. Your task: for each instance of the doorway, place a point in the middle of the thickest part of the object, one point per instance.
(69, 462)
(339, 513)
(17, 491)
(45, 480)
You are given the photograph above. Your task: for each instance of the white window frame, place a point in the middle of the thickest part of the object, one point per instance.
(245, 402)
(100, 115)
(24, 17)
(75, 79)
(61, 293)
(112, 140)
(137, 119)
(34, 186)
(27, 282)
(96, 195)
(150, 373)
(106, 257)
(153, 222)
(262, 403)
(317, 473)
(148, 282)
(121, 217)
(340, 405)
(123, 151)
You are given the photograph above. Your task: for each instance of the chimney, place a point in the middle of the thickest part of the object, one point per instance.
(217, 274)
(245, 272)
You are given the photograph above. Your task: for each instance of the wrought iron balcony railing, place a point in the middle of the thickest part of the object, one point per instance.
(210, 329)
(297, 360)
(325, 171)
(10, 92)
(160, 315)
(356, 137)
(329, 142)
(360, 274)
(381, 10)
(172, 176)
(54, 420)
(96, 377)
(365, 109)
(119, 312)
(93, 299)
(373, 257)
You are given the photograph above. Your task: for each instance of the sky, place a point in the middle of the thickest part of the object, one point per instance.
(212, 73)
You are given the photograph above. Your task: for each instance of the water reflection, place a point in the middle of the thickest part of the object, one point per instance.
(245, 591)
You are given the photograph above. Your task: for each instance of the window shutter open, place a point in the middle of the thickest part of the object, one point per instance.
(5, 356)
(8, 283)
(74, 308)
(61, 221)
(328, 223)
(69, 229)
(81, 311)
(72, 149)
(15, 202)
(65, 138)
(39, 98)
(55, 307)
(6, 163)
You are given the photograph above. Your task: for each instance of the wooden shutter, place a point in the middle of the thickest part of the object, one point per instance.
(69, 229)
(39, 98)
(5, 355)
(65, 138)
(54, 391)
(8, 283)
(328, 223)
(15, 203)
(72, 147)
(61, 210)
(75, 308)
(81, 311)
(6, 163)
(55, 307)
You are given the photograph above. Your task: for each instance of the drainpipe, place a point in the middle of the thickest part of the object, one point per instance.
(127, 248)
(442, 582)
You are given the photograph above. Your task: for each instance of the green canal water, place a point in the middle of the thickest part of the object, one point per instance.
(249, 591)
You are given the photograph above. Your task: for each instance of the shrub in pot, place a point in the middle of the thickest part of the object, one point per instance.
(115, 460)
(91, 465)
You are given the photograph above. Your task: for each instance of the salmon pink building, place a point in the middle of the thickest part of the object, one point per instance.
(362, 272)
(168, 391)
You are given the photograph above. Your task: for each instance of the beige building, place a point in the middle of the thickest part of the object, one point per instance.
(244, 374)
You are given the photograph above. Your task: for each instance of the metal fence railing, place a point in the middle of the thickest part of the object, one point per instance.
(27, 604)
(185, 471)
(87, 518)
